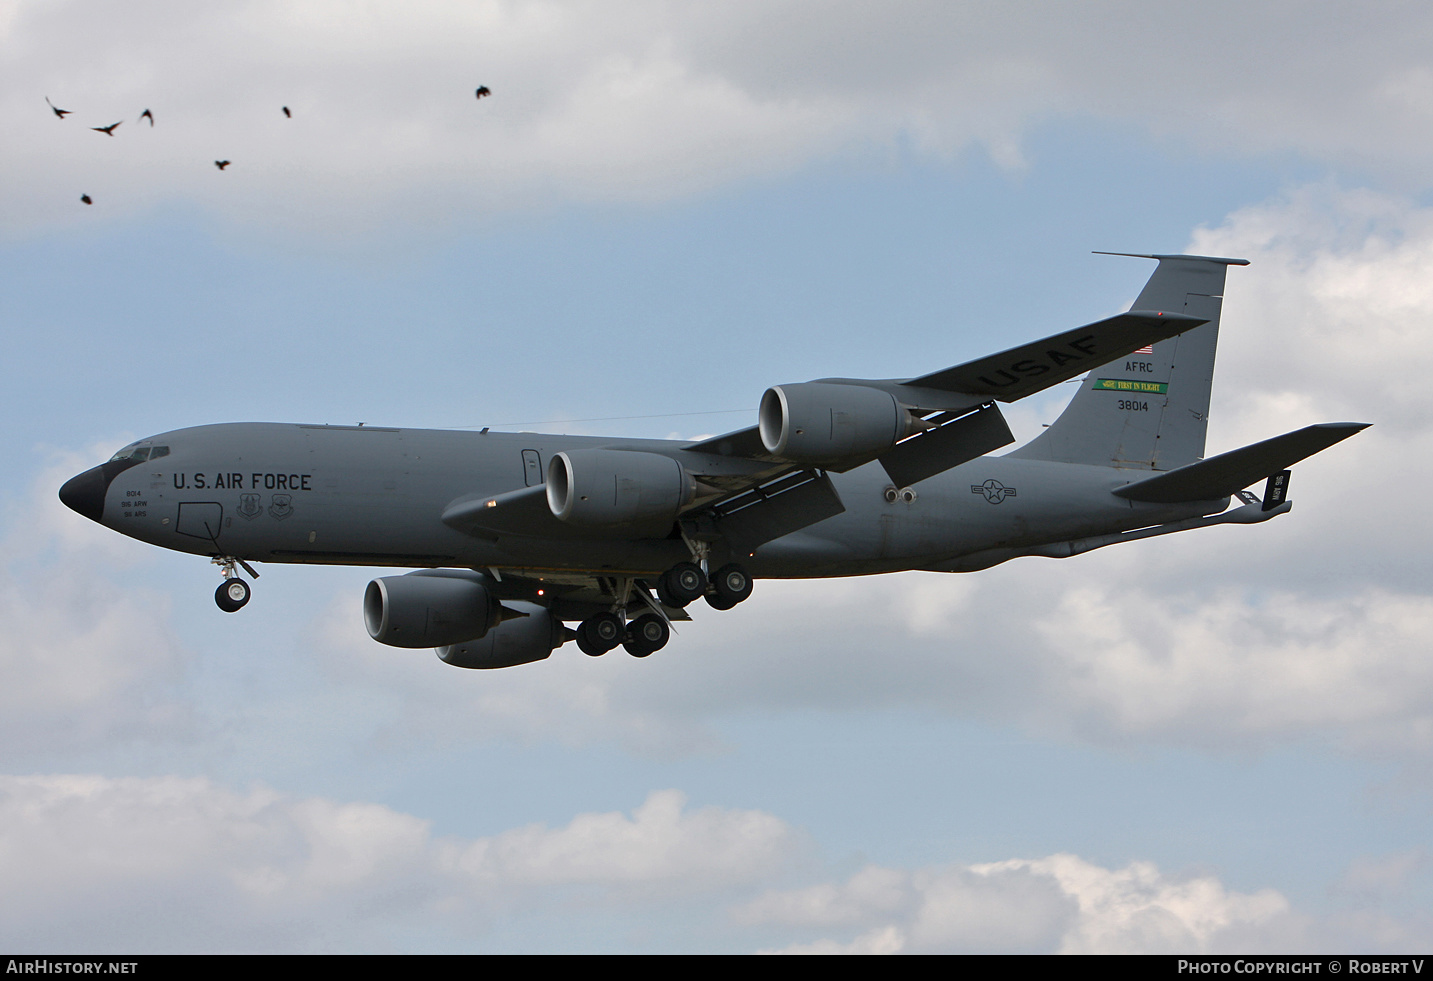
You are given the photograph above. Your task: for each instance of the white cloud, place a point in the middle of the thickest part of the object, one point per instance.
(169, 864)
(1091, 653)
(662, 848)
(1374, 880)
(1331, 320)
(653, 99)
(87, 662)
(1060, 904)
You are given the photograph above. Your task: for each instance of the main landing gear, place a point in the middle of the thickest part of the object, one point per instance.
(645, 635)
(677, 588)
(728, 587)
(233, 593)
(685, 582)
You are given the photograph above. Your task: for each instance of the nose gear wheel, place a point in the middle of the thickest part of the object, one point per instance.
(232, 595)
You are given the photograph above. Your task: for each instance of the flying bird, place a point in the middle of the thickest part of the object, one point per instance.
(287, 114)
(147, 115)
(221, 164)
(106, 130)
(62, 113)
(86, 199)
(483, 90)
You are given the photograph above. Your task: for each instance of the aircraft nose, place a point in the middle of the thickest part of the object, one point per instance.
(85, 493)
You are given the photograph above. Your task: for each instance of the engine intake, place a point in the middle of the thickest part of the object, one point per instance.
(820, 423)
(427, 609)
(628, 490)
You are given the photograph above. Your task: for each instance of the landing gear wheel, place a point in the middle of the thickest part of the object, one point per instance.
(585, 644)
(599, 634)
(681, 585)
(729, 587)
(231, 595)
(646, 635)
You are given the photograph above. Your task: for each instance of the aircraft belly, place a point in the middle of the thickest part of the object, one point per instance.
(989, 503)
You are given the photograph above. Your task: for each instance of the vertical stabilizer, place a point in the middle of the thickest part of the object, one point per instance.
(1148, 410)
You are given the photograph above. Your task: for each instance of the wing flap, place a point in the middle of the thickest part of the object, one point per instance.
(1225, 474)
(777, 508)
(950, 445)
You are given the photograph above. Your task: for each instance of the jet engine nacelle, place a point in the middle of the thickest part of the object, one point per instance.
(516, 641)
(821, 423)
(628, 490)
(423, 609)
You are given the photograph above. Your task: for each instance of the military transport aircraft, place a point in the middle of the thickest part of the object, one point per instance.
(514, 534)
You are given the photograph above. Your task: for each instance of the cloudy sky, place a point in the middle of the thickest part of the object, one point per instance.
(1221, 741)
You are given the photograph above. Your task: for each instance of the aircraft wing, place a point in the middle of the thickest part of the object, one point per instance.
(1033, 367)
(953, 418)
(771, 479)
(1225, 474)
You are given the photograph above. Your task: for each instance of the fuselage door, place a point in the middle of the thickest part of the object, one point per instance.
(531, 468)
(200, 519)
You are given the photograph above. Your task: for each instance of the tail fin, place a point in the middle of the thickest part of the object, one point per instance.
(1149, 410)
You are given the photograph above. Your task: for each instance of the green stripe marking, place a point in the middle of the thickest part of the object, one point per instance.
(1128, 385)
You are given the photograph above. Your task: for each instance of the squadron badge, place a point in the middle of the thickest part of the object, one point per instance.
(249, 506)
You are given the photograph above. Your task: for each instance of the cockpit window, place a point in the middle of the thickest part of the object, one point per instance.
(158, 452)
(131, 452)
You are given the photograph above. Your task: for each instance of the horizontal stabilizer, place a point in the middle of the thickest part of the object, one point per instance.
(1226, 474)
(1033, 367)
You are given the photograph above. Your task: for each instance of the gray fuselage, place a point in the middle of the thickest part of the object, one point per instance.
(341, 495)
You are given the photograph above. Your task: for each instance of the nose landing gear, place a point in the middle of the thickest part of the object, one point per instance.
(233, 593)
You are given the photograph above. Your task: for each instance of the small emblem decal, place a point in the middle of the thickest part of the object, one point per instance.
(249, 506)
(281, 506)
(994, 491)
